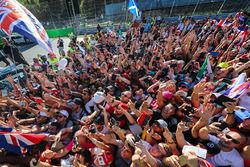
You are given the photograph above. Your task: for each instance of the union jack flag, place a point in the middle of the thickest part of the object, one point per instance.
(19, 143)
(14, 17)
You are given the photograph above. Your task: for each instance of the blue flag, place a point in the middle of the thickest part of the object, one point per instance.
(132, 7)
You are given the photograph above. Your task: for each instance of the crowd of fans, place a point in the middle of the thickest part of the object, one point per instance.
(139, 98)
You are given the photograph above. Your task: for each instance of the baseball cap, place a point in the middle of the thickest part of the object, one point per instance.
(161, 123)
(64, 112)
(211, 147)
(223, 65)
(99, 120)
(78, 101)
(135, 129)
(99, 97)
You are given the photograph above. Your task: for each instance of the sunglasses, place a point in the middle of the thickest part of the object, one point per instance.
(60, 116)
(84, 94)
(233, 140)
(123, 94)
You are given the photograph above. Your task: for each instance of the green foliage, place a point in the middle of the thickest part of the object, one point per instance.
(30, 3)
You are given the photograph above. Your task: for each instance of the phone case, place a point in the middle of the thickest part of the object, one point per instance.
(200, 152)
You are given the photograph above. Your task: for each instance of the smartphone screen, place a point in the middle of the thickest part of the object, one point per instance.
(4, 92)
(149, 100)
(200, 152)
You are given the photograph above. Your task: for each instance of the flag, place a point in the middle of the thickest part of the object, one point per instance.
(14, 17)
(239, 87)
(243, 36)
(206, 67)
(6, 129)
(239, 90)
(224, 23)
(132, 7)
(19, 143)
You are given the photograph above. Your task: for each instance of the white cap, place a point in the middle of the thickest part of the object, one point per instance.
(99, 97)
(43, 114)
(65, 113)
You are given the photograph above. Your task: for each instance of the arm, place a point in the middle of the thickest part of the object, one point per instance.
(149, 158)
(125, 80)
(179, 135)
(128, 116)
(208, 111)
(152, 87)
(100, 144)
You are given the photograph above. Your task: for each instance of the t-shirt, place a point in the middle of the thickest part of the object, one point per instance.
(231, 158)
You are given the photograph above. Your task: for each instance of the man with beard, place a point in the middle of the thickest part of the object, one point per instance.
(228, 142)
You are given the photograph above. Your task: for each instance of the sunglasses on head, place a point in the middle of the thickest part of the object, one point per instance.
(233, 140)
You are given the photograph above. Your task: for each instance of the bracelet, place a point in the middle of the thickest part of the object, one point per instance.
(229, 113)
(172, 142)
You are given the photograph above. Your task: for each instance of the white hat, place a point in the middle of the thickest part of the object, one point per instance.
(43, 114)
(99, 97)
(65, 113)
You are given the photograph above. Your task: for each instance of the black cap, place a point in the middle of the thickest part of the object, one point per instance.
(78, 101)
(211, 147)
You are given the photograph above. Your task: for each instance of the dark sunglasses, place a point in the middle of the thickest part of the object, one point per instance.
(233, 140)
(85, 93)
(60, 116)
(125, 95)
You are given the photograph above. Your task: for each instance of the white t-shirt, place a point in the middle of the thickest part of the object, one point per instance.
(231, 158)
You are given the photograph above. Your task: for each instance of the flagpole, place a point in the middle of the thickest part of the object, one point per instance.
(195, 7)
(126, 17)
(221, 6)
(172, 8)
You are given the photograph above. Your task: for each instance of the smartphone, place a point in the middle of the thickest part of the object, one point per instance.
(4, 92)
(223, 99)
(189, 109)
(113, 77)
(243, 60)
(222, 126)
(92, 129)
(187, 120)
(113, 122)
(149, 100)
(137, 138)
(200, 152)
(173, 65)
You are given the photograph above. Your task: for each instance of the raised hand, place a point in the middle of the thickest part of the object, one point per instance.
(230, 106)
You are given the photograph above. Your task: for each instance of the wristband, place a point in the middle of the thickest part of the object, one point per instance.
(229, 113)
(172, 142)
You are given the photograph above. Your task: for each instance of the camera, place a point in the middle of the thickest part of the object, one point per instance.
(113, 122)
(113, 77)
(189, 109)
(92, 129)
